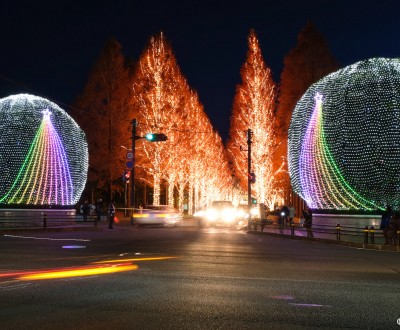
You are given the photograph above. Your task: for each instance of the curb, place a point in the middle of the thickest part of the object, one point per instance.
(382, 247)
(48, 230)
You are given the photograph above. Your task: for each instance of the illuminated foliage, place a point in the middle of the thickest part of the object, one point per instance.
(344, 138)
(43, 153)
(253, 108)
(101, 110)
(163, 102)
(305, 64)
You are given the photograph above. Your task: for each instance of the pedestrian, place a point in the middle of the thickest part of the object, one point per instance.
(385, 220)
(393, 227)
(111, 214)
(292, 213)
(99, 206)
(307, 214)
(285, 214)
(263, 216)
(85, 209)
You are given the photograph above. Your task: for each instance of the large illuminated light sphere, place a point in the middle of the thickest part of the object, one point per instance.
(344, 138)
(43, 153)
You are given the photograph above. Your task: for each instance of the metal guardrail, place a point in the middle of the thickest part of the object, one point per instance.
(366, 235)
(45, 221)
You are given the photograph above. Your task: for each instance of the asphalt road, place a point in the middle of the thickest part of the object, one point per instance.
(190, 278)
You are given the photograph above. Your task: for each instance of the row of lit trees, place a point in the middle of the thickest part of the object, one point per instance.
(194, 160)
(162, 101)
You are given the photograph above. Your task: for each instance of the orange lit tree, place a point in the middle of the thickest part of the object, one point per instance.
(101, 112)
(163, 102)
(305, 64)
(253, 108)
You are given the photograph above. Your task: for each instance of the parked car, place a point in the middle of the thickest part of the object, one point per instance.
(157, 215)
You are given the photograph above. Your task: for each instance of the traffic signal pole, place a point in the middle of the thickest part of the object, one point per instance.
(152, 137)
(132, 201)
(249, 135)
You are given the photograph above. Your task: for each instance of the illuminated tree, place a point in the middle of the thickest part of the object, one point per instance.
(102, 110)
(253, 108)
(192, 162)
(308, 62)
(157, 95)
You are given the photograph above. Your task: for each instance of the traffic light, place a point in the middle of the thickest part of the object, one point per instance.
(156, 137)
(253, 201)
(252, 177)
(126, 175)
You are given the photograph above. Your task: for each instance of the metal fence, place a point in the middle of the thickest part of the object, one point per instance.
(364, 235)
(45, 220)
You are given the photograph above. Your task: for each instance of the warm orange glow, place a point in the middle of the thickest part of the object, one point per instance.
(87, 271)
(193, 159)
(134, 259)
(149, 215)
(107, 267)
(253, 108)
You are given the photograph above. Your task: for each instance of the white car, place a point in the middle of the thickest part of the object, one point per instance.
(156, 215)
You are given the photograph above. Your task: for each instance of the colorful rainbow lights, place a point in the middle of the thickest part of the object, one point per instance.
(321, 179)
(43, 163)
(44, 177)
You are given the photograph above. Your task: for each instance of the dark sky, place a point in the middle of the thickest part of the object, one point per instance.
(48, 47)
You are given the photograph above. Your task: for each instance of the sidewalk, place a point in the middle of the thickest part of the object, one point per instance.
(320, 235)
(323, 236)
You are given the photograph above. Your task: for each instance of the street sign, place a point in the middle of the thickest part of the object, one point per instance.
(129, 155)
(129, 165)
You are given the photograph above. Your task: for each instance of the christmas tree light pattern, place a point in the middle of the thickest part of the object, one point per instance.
(43, 153)
(44, 177)
(322, 181)
(344, 139)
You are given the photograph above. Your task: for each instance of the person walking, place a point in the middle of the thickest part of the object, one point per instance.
(285, 214)
(99, 206)
(85, 209)
(393, 227)
(292, 213)
(385, 220)
(111, 214)
(263, 216)
(307, 214)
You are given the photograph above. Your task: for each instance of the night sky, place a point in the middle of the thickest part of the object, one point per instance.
(49, 47)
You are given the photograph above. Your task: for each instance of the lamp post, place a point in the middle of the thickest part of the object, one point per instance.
(249, 135)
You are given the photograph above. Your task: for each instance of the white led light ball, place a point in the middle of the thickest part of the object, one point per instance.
(344, 138)
(43, 153)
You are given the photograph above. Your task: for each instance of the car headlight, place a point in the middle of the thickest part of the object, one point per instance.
(199, 214)
(228, 215)
(212, 214)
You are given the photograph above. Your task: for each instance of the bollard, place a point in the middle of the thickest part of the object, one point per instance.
(44, 220)
(292, 229)
(338, 232)
(372, 234)
(366, 234)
